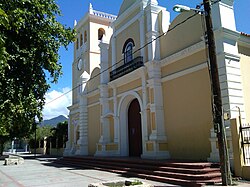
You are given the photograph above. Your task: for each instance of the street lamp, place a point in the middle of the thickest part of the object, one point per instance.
(217, 101)
(183, 8)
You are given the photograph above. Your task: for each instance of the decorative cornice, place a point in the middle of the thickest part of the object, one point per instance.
(130, 22)
(103, 15)
(93, 93)
(227, 33)
(227, 2)
(93, 104)
(94, 14)
(184, 72)
(136, 74)
(154, 8)
(183, 53)
(124, 15)
(109, 114)
(244, 40)
(73, 107)
(232, 57)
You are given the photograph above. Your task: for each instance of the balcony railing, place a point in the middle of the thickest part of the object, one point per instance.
(126, 68)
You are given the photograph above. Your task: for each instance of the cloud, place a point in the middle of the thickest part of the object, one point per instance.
(57, 103)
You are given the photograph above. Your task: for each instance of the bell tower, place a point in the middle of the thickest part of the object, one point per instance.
(93, 28)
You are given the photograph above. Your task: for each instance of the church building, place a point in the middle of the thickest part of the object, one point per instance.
(142, 87)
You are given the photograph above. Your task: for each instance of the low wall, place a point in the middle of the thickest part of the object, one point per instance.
(246, 172)
(56, 152)
(53, 151)
(38, 151)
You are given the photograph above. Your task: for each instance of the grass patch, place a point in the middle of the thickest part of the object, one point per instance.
(121, 184)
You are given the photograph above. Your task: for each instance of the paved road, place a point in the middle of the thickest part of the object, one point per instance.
(42, 172)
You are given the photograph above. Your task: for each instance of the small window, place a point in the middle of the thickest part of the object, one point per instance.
(85, 36)
(101, 32)
(128, 50)
(81, 40)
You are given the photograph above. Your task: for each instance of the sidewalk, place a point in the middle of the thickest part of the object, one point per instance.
(42, 171)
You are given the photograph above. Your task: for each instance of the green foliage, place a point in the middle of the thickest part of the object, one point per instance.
(60, 133)
(61, 129)
(30, 37)
(42, 132)
(57, 135)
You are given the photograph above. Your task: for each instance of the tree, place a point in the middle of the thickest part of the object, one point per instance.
(60, 133)
(30, 37)
(41, 133)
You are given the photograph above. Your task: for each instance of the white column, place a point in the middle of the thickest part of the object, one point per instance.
(83, 126)
(113, 43)
(152, 11)
(228, 60)
(116, 118)
(69, 132)
(142, 35)
(223, 15)
(144, 109)
(153, 47)
(156, 107)
(228, 57)
(104, 62)
(83, 116)
(105, 109)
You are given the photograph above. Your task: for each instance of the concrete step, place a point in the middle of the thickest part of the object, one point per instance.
(180, 173)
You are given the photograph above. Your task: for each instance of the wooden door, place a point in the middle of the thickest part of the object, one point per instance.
(134, 129)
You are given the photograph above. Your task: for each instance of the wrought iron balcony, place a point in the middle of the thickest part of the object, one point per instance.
(126, 68)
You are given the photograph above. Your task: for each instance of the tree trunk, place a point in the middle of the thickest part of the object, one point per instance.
(1, 147)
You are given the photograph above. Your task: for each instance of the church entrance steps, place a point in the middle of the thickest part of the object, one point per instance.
(169, 171)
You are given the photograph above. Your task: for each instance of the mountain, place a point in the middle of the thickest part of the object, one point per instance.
(54, 121)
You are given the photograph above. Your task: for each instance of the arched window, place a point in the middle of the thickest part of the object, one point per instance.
(85, 36)
(128, 50)
(128, 54)
(101, 32)
(81, 40)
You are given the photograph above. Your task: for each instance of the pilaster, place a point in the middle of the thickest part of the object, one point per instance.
(106, 146)
(156, 102)
(156, 146)
(113, 43)
(228, 60)
(104, 62)
(142, 34)
(105, 109)
(214, 155)
(83, 127)
(152, 11)
(116, 118)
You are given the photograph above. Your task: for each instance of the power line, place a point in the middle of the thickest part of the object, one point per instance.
(164, 33)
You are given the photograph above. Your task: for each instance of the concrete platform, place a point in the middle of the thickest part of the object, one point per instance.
(41, 171)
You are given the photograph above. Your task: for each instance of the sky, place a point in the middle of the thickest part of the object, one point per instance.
(56, 99)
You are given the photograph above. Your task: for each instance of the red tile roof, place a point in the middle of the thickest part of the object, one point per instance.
(245, 34)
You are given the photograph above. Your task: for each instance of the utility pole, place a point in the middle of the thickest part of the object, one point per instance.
(217, 102)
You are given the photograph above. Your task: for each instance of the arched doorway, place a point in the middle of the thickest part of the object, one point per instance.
(134, 129)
